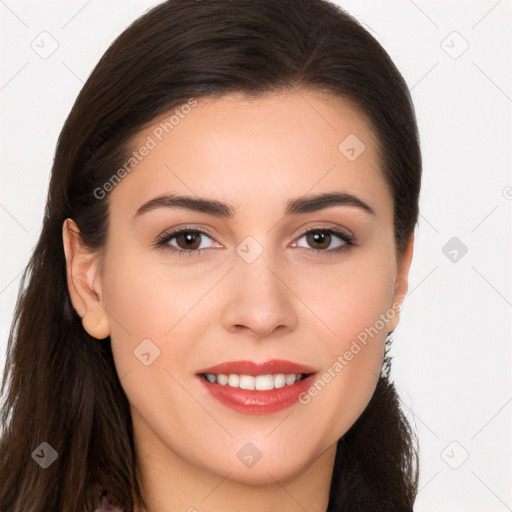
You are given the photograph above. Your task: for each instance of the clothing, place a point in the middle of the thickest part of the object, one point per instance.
(107, 505)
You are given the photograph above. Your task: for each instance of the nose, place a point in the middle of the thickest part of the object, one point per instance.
(260, 300)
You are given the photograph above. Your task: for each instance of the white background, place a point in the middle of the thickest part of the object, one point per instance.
(452, 350)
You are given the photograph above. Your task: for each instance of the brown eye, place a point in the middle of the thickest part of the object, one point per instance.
(184, 241)
(326, 240)
(318, 239)
(188, 240)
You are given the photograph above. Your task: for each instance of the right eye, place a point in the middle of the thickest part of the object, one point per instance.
(186, 241)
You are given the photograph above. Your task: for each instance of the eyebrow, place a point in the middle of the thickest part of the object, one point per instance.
(299, 205)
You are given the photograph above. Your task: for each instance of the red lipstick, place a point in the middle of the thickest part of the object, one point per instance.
(253, 401)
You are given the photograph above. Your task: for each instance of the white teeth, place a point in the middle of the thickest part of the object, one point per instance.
(290, 379)
(234, 380)
(264, 382)
(246, 382)
(222, 379)
(280, 380)
(259, 382)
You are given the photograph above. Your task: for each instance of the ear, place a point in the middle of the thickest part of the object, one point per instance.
(84, 281)
(401, 283)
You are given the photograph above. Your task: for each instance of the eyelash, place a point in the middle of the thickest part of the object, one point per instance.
(164, 239)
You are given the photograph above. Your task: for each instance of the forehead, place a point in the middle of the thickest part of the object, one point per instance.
(291, 115)
(237, 147)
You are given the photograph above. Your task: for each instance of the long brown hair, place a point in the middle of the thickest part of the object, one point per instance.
(60, 384)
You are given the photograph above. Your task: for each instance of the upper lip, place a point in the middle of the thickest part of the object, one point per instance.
(258, 367)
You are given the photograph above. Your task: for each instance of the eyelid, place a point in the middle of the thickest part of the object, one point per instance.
(346, 237)
(328, 227)
(163, 239)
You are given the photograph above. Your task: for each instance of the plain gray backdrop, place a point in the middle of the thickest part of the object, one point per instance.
(452, 349)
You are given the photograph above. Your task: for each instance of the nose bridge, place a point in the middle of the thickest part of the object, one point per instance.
(256, 262)
(260, 277)
(258, 299)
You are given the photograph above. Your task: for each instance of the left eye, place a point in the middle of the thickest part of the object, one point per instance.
(324, 238)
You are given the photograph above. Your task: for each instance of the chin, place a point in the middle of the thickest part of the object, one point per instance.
(263, 472)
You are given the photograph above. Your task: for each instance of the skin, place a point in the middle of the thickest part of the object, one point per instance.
(290, 303)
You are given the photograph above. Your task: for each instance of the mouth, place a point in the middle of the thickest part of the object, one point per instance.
(255, 382)
(253, 387)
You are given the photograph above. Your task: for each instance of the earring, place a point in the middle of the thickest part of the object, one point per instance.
(97, 326)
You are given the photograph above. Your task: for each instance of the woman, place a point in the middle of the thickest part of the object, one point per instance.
(205, 320)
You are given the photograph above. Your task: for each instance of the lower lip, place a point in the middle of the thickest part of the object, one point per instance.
(258, 402)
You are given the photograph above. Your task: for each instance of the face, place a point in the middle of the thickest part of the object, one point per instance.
(293, 285)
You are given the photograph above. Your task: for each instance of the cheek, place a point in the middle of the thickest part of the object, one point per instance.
(364, 305)
(362, 297)
(154, 309)
(350, 298)
(353, 307)
(147, 297)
